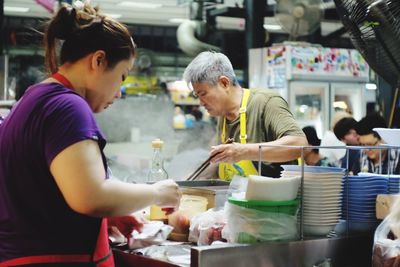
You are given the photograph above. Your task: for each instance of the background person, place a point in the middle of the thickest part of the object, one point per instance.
(312, 157)
(249, 117)
(376, 160)
(329, 139)
(54, 192)
(345, 132)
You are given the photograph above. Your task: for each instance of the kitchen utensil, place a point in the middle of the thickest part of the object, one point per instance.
(204, 165)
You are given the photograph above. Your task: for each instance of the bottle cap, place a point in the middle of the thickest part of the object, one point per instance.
(157, 143)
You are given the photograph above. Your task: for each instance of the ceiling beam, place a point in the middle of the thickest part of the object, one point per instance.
(235, 12)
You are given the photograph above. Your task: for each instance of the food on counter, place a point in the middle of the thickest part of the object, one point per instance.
(180, 222)
(189, 207)
(158, 214)
(213, 234)
(168, 211)
(207, 227)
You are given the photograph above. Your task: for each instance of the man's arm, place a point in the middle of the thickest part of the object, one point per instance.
(275, 152)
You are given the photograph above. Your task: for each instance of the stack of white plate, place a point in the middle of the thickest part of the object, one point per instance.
(322, 196)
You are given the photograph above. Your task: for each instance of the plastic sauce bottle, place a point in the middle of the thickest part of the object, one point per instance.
(157, 173)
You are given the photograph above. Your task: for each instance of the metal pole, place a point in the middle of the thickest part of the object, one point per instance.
(2, 31)
(254, 30)
(389, 167)
(5, 77)
(259, 160)
(347, 190)
(380, 161)
(302, 194)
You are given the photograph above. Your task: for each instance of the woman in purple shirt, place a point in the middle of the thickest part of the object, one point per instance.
(54, 192)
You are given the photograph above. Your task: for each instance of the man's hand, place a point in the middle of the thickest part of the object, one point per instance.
(229, 153)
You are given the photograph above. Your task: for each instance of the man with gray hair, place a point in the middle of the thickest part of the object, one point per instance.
(249, 117)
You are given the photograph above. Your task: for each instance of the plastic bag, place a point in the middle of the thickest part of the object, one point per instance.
(237, 187)
(386, 251)
(206, 227)
(252, 226)
(153, 233)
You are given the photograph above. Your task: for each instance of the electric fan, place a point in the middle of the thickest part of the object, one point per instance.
(299, 17)
(374, 29)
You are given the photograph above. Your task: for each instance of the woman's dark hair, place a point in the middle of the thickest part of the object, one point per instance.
(85, 31)
(343, 126)
(368, 123)
(312, 137)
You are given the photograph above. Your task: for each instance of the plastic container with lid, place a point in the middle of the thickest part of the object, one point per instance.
(192, 205)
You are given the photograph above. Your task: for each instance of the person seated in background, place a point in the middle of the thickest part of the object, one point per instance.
(375, 160)
(329, 139)
(345, 132)
(312, 157)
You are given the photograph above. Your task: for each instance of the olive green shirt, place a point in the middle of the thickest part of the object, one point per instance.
(268, 118)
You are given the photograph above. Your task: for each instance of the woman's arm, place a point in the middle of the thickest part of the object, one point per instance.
(79, 173)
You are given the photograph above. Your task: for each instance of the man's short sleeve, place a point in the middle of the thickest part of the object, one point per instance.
(279, 120)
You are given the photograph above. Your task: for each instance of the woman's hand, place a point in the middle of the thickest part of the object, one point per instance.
(125, 224)
(167, 194)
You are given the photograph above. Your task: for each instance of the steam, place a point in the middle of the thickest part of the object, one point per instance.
(151, 117)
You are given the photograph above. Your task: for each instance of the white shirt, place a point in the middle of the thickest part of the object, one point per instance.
(334, 155)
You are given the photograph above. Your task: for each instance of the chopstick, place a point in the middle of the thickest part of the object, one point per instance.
(200, 169)
(204, 165)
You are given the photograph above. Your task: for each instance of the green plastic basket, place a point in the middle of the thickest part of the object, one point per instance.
(287, 207)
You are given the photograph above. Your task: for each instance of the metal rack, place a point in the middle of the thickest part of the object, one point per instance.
(352, 250)
(346, 174)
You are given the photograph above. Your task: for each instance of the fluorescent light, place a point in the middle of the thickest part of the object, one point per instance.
(177, 20)
(114, 16)
(139, 4)
(272, 27)
(370, 86)
(340, 104)
(15, 9)
(303, 108)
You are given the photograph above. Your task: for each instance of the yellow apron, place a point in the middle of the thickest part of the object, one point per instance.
(244, 167)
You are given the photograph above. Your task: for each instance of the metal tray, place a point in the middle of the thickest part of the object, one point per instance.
(198, 183)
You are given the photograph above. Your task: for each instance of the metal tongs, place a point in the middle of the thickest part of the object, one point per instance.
(205, 164)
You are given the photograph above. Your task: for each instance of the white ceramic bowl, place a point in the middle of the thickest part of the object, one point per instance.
(390, 136)
(272, 189)
(318, 229)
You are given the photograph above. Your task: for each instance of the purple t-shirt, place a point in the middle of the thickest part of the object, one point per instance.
(34, 217)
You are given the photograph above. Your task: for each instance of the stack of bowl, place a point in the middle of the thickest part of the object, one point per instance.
(390, 136)
(394, 184)
(322, 197)
(359, 200)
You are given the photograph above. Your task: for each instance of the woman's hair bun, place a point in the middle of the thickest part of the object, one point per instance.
(70, 20)
(65, 24)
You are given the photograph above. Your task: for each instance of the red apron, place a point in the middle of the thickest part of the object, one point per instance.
(101, 257)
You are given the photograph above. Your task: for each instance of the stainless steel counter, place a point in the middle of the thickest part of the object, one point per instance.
(353, 251)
